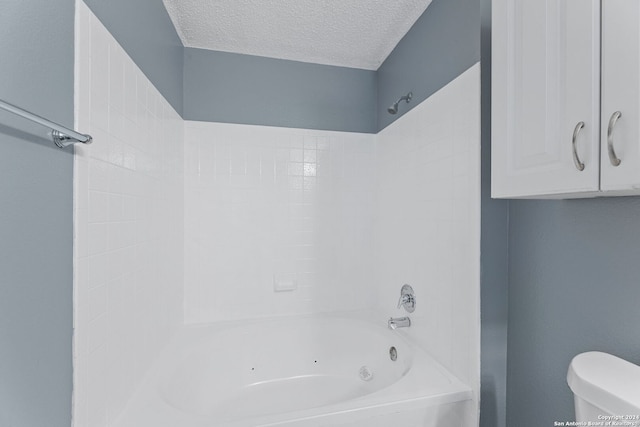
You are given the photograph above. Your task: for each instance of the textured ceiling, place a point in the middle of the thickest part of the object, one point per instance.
(349, 33)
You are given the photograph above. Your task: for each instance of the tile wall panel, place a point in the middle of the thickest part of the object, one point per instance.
(197, 222)
(128, 197)
(427, 223)
(266, 205)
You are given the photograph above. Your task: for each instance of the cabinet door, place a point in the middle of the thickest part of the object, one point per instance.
(545, 82)
(620, 93)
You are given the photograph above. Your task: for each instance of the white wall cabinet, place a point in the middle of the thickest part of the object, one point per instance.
(620, 93)
(550, 127)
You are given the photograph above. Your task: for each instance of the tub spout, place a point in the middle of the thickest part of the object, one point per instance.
(399, 322)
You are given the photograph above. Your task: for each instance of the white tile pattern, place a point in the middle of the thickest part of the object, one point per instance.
(197, 222)
(265, 204)
(128, 197)
(428, 222)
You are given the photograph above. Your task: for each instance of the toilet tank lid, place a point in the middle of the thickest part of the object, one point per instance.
(606, 381)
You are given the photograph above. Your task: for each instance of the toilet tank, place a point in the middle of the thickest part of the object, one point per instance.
(604, 385)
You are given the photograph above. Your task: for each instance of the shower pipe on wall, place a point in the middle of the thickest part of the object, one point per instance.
(61, 135)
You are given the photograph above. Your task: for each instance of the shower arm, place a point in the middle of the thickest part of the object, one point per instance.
(406, 98)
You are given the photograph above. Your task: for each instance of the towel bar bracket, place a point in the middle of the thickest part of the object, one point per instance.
(62, 136)
(62, 140)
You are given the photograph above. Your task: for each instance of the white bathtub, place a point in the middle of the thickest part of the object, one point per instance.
(306, 371)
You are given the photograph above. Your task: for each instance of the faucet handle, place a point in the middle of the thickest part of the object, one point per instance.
(407, 299)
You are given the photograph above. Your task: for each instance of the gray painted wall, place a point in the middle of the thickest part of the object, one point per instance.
(494, 262)
(573, 287)
(234, 88)
(444, 42)
(36, 73)
(145, 31)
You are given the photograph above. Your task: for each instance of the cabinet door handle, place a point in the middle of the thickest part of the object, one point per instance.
(576, 159)
(615, 161)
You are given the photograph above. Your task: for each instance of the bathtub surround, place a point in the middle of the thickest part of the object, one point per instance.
(267, 204)
(427, 223)
(319, 208)
(445, 191)
(36, 216)
(240, 181)
(128, 225)
(145, 31)
(424, 57)
(294, 201)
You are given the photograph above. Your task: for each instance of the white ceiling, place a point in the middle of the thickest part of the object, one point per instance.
(348, 33)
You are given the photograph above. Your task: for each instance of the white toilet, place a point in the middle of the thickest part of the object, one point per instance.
(603, 386)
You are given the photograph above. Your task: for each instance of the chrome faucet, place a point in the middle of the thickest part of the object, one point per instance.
(407, 299)
(408, 302)
(398, 322)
